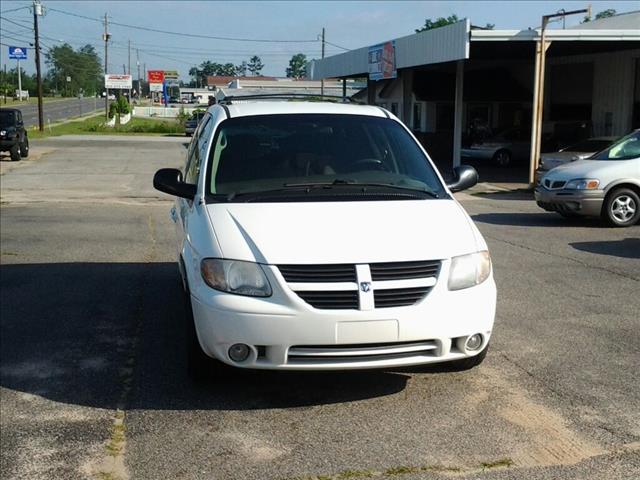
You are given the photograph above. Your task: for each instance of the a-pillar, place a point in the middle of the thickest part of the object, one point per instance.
(457, 114)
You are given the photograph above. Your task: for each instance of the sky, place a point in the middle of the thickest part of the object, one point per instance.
(292, 26)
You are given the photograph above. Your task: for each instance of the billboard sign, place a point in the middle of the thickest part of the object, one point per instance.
(171, 75)
(382, 61)
(17, 53)
(155, 76)
(122, 82)
(155, 87)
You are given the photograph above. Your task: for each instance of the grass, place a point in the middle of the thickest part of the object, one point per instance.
(96, 125)
(32, 100)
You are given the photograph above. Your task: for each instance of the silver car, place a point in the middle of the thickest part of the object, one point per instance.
(502, 149)
(577, 151)
(605, 185)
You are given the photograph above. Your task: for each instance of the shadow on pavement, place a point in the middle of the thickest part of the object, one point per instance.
(536, 220)
(627, 248)
(78, 333)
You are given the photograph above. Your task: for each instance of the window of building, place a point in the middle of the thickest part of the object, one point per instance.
(417, 116)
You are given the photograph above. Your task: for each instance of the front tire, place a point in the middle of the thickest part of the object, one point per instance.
(621, 208)
(200, 366)
(15, 153)
(24, 148)
(502, 158)
(469, 362)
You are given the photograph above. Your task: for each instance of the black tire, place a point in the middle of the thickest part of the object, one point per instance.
(24, 148)
(15, 152)
(621, 208)
(200, 366)
(502, 158)
(469, 362)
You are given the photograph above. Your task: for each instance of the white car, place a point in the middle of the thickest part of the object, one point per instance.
(320, 236)
(577, 151)
(606, 185)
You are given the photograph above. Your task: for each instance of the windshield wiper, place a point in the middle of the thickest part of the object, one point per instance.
(340, 181)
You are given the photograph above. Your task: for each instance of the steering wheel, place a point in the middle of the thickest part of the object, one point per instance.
(371, 162)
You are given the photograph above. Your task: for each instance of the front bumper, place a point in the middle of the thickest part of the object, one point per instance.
(579, 202)
(478, 153)
(286, 333)
(8, 144)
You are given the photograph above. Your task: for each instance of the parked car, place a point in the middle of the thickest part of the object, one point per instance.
(13, 135)
(577, 151)
(191, 124)
(320, 236)
(502, 149)
(605, 185)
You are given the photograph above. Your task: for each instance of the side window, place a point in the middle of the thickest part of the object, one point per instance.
(192, 159)
(196, 150)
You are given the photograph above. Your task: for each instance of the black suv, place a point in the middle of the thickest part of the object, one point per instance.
(13, 136)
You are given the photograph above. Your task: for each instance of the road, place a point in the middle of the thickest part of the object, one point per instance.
(57, 110)
(93, 381)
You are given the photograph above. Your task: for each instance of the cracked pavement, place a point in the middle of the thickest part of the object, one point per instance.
(90, 338)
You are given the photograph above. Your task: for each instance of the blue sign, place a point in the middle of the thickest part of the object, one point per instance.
(18, 53)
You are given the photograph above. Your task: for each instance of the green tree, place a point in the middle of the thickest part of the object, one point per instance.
(609, 12)
(438, 22)
(74, 71)
(255, 65)
(241, 70)
(297, 66)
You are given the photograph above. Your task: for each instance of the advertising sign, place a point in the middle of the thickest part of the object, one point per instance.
(382, 61)
(122, 82)
(155, 87)
(17, 53)
(155, 76)
(171, 75)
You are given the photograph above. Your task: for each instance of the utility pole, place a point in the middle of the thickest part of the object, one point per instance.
(538, 90)
(19, 82)
(322, 79)
(5, 83)
(105, 37)
(138, 65)
(37, 11)
(129, 71)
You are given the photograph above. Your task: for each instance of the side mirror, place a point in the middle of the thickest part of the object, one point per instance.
(464, 176)
(169, 180)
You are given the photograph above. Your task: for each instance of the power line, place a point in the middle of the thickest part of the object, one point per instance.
(182, 34)
(20, 24)
(14, 9)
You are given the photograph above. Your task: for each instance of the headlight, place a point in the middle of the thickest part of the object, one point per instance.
(582, 184)
(3, 132)
(469, 270)
(234, 276)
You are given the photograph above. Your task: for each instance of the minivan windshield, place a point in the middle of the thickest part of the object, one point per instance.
(290, 152)
(626, 148)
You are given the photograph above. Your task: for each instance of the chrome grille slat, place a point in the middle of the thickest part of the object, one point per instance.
(326, 354)
(334, 286)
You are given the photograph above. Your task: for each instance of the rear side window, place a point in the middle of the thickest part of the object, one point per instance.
(271, 151)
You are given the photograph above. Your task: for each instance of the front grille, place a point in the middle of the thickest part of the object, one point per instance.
(554, 185)
(399, 297)
(309, 354)
(331, 300)
(318, 273)
(404, 270)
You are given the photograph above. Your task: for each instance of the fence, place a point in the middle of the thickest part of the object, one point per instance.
(161, 112)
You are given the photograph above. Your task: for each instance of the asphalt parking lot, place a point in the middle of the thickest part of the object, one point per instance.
(93, 379)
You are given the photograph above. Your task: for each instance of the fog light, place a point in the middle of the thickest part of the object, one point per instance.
(239, 352)
(474, 342)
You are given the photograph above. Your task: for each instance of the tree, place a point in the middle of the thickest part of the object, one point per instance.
(439, 22)
(297, 66)
(255, 65)
(241, 70)
(609, 12)
(74, 71)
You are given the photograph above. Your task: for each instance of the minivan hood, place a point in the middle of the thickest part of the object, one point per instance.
(342, 232)
(585, 169)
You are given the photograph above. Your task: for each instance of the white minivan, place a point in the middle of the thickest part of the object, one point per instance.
(320, 236)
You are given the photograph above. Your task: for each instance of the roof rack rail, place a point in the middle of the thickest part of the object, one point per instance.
(229, 99)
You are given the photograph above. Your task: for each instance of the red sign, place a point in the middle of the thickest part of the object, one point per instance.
(155, 76)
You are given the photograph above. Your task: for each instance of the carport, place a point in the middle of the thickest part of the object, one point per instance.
(445, 78)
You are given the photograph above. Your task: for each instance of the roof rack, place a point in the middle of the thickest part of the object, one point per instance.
(229, 99)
